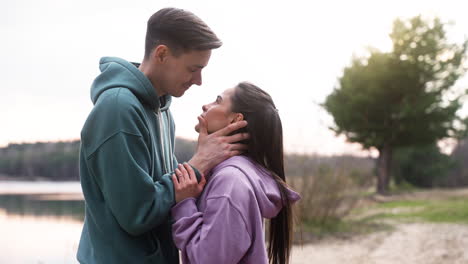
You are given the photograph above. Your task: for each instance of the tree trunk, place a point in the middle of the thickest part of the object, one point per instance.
(383, 169)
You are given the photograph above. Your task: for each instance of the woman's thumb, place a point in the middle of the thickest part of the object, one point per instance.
(202, 182)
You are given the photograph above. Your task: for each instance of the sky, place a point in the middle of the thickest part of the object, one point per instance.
(295, 50)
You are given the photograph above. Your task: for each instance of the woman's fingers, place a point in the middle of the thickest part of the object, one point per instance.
(184, 172)
(190, 171)
(202, 183)
(185, 182)
(175, 181)
(181, 178)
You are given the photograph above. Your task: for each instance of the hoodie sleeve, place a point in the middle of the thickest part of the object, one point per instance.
(217, 235)
(120, 166)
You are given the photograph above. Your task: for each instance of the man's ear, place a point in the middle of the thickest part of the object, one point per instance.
(160, 53)
(238, 117)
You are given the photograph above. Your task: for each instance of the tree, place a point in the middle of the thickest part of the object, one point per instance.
(422, 166)
(401, 98)
(459, 175)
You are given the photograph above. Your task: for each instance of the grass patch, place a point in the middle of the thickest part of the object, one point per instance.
(404, 204)
(449, 211)
(383, 216)
(403, 187)
(453, 210)
(343, 228)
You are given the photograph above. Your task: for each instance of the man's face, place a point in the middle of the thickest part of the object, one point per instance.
(178, 73)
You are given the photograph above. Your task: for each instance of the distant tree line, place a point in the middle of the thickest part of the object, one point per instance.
(57, 161)
(51, 161)
(418, 166)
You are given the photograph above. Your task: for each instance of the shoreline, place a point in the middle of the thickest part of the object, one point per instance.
(42, 187)
(7, 178)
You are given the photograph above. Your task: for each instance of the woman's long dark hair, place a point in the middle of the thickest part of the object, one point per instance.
(265, 146)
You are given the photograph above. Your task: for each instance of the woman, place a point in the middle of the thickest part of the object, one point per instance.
(225, 225)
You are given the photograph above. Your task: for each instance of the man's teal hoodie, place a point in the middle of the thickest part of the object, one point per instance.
(126, 160)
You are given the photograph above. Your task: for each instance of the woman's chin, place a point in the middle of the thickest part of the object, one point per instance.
(197, 128)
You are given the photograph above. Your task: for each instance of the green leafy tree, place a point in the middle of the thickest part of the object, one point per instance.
(422, 166)
(459, 175)
(400, 98)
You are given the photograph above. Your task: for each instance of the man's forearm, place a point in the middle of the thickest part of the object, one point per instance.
(197, 163)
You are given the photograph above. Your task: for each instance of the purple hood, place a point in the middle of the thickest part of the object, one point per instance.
(266, 190)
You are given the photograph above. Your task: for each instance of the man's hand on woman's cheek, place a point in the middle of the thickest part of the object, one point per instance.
(216, 147)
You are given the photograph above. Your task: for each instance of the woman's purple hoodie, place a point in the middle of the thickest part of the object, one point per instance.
(225, 225)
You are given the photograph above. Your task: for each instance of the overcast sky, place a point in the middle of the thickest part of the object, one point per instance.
(295, 50)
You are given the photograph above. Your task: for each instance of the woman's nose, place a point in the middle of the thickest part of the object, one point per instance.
(204, 108)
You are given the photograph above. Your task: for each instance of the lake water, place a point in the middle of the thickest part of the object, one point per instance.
(40, 222)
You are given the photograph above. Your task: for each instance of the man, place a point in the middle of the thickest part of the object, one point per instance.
(127, 144)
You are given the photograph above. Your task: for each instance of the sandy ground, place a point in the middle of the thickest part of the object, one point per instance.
(407, 244)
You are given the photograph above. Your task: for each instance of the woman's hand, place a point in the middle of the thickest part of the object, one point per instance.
(185, 182)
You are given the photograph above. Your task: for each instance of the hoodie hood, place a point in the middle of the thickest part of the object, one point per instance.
(266, 190)
(119, 73)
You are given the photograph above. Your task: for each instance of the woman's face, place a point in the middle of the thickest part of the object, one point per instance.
(218, 113)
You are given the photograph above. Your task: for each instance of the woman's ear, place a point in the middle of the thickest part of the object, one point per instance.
(238, 117)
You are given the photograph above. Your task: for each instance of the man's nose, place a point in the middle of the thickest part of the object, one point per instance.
(197, 78)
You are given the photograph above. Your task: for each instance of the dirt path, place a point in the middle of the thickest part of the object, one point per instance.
(408, 244)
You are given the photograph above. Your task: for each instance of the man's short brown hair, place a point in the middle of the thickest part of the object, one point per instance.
(180, 30)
